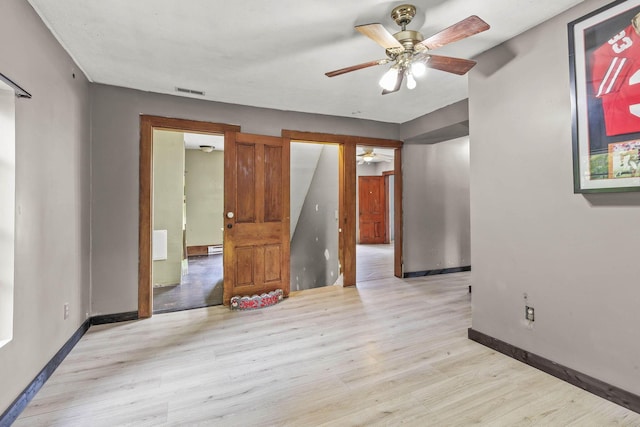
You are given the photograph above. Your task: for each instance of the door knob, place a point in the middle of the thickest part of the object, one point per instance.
(229, 215)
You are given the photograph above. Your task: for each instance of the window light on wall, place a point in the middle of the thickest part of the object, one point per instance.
(9, 92)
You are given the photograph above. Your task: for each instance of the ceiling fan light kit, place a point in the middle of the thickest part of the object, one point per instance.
(388, 80)
(369, 155)
(408, 50)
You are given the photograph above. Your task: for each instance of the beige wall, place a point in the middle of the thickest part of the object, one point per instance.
(168, 199)
(204, 188)
(52, 197)
(574, 256)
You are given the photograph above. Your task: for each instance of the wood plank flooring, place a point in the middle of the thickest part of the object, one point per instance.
(374, 262)
(389, 352)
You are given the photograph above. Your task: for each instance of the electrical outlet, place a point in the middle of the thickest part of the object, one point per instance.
(529, 313)
(66, 310)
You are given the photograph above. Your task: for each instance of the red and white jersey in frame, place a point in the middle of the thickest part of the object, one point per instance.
(615, 74)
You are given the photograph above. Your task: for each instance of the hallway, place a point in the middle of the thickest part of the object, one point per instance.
(374, 262)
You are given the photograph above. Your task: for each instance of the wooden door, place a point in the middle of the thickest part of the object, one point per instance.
(372, 207)
(256, 198)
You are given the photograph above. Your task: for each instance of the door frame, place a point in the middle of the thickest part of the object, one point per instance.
(347, 194)
(386, 175)
(148, 124)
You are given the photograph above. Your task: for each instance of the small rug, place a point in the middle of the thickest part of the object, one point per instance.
(257, 301)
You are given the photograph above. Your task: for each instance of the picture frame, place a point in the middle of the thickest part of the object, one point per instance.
(604, 62)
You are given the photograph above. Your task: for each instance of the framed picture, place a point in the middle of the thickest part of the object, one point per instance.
(604, 57)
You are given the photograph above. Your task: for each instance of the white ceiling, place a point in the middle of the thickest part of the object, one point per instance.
(193, 141)
(275, 54)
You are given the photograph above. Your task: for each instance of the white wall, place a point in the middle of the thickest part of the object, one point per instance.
(52, 196)
(436, 205)
(575, 256)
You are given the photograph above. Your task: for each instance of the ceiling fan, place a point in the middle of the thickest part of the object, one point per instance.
(408, 50)
(369, 156)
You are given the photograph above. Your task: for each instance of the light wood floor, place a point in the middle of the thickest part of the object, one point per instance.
(388, 352)
(373, 262)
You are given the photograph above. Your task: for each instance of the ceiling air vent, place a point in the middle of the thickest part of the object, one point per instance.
(191, 91)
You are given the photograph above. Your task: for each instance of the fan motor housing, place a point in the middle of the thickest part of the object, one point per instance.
(408, 38)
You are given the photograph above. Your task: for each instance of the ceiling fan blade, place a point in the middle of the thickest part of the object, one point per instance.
(457, 66)
(398, 83)
(463, 29)
(380, 35)
(356, 67)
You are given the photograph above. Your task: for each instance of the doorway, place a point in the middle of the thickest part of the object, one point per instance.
(149, 124)
(188, 203)
(243, 193)
(376, 213)
(348, 218)
(256, 206)
(314, 215)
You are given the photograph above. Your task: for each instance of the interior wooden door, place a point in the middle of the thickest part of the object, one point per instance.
(256, 198)
(372, 207)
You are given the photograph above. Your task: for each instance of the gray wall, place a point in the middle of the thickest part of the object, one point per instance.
(314, 246)
(436, 205)
(52, 196)
(575, 256)
(115, 153)
(445, 124)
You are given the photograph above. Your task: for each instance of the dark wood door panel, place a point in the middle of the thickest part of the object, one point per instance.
(245, 170)
(257, 234)
(273, 192)
(245, 266)
(272, 263)
(372, 206)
